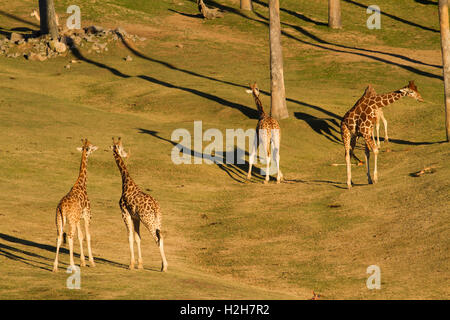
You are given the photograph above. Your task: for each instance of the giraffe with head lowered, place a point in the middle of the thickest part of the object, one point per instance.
(137, 207)
(74, 206)
(360, 119)
(268, 134)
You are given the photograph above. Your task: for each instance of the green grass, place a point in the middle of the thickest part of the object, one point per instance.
(226, 239)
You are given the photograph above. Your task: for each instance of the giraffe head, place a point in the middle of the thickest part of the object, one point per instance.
(411, 90)
(118, 148)
(253, 89)
(89, 147)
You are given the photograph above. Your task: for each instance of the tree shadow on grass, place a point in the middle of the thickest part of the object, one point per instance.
(190, 15)
(14, 17)
(414, 143)
(49, 248)
(398, 18)
(323, 126)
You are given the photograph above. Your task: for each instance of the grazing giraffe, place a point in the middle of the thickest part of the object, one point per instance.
(136, 207)
(267, 132)
(74, 206)
(359, 121)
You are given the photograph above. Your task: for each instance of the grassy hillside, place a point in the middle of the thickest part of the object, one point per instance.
(226, 238)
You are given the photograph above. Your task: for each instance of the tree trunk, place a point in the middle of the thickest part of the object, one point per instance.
(246, 5)
(48, 18)
(278, 98)
(445, 45)
(334, 14)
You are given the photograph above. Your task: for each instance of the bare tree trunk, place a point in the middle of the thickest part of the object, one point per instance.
(48, 18)
(246, 5)
(334, 14)
(278, 97)
(445, 45)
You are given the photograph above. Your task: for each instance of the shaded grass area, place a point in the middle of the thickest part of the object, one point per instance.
(224, 237)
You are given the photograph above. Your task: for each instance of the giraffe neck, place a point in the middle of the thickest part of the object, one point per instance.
(126, 179)
(388, 98)
(259, 106)
(82, 177)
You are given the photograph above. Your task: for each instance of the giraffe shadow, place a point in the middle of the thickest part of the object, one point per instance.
(236, 171)
(10, 252)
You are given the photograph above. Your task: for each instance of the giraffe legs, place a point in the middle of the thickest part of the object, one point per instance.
(349, 143)
(386, 138)
(252, 155)
(129, 225)
(70, 239)
(276, 152)
(59, 231)
(80, 240)
(370, 145)
(137, 238)
(155, 230)
(88, 240)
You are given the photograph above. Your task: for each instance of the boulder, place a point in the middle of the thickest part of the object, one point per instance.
(15, 36)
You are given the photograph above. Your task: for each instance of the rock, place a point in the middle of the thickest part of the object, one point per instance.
(57, 46)
(128, 58)
(67, 66)
(15, 37)
(35, 57)
(179, 45)
(101, 46)
(76, 40)
(121, 31)
(93, 29)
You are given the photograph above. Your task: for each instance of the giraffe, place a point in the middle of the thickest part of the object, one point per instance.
(136, 207)
(267, 132)
(74, 206)
(359, 121)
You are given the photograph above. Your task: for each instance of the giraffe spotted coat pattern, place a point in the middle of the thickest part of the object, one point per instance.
(137, 207)
(74, 206)
(360, 119)
(268, 133)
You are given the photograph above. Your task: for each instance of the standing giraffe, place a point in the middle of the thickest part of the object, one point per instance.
(74, 206)
(136, 207)
(267, 132)
(359, 121)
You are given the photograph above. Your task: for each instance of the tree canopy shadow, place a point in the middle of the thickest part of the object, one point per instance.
(190, 15)
(45, 247)
(321, 43)
(414, 143)
(236, 171)
(323, 126)
(398, 18)
(427, 2)
(14, 17)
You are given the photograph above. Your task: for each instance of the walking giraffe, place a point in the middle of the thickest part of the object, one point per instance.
(359, 121)
(136, 207)
(74, 206)
(267, 132)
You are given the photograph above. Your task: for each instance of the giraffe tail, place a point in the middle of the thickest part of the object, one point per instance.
(158, 235)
